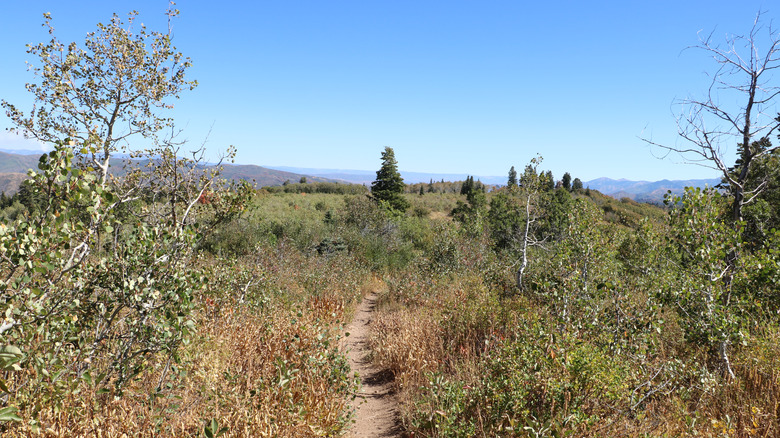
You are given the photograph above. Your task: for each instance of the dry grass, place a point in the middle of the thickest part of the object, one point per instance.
(268, 371)
(408, 343)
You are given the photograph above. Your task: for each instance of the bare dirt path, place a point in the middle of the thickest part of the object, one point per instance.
(376, 407)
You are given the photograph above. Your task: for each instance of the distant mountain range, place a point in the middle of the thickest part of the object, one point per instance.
(368, 176)
(17, 163)
(642, 191)
(36, 152)
(13, 170)
(14, 166)
(645, 191)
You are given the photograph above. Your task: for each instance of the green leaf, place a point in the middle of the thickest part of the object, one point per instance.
(10, 350)
(4, 387)
(9, 414)
(9, 355)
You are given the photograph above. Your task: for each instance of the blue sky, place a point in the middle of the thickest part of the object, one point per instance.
(452, 86)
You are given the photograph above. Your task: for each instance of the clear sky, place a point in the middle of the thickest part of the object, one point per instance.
(452, 86)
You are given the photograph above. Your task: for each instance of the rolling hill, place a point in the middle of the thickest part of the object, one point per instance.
(14, 167)
(645, 191)
(17, 163)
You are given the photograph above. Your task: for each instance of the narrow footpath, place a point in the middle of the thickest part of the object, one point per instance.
(376, 407)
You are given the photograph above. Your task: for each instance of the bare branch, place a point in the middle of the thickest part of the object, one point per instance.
(711, 128)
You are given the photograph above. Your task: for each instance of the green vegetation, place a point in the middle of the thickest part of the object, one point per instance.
(388, 186)
(512, 178)
(319, 187)
(170, 302)
(612, 331)
(619, 328)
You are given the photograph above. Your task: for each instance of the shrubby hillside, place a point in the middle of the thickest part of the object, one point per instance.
(603, 336)
(167, 301)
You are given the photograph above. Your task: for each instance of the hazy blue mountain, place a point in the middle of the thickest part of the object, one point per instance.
(368, 176)
(37, 152)
(645, 191)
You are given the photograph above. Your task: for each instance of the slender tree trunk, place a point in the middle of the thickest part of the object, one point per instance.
(724, 357)
(524, 262)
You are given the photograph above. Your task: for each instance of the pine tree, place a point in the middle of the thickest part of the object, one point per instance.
(512, 180)
(549, 181)
(473, 209)
(389, 186)
(467, 186)
(567, 181)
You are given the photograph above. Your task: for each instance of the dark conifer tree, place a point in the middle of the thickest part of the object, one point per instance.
(467, 186)
(549, 181)
(512, 180)
(566, 181)
(389, 186)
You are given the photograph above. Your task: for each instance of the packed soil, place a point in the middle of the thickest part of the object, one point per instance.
(376, 406)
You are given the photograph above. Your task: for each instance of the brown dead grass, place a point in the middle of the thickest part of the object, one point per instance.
(236, 376)
(273, 371)
(407, 342)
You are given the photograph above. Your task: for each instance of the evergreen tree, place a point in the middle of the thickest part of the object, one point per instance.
(468, 186)
(389, 186)
(556, 220)
(32, 200)
(566, 181)
(471, 212)
(512, 180)
(549, 181)
(576, 184)
(505, 220)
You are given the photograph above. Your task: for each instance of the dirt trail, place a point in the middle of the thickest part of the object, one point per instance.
(376, 407)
